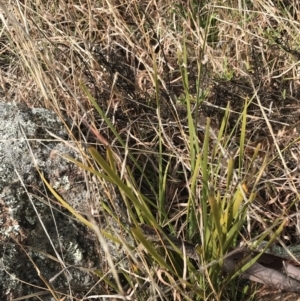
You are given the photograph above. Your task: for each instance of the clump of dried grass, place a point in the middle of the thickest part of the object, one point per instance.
(151, 66)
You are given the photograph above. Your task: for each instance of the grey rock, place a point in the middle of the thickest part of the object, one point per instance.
(25, 248)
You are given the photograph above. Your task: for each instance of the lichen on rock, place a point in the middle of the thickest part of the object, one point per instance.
(25, 138)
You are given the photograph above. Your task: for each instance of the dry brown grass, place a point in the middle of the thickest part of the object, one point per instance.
(130, 55)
